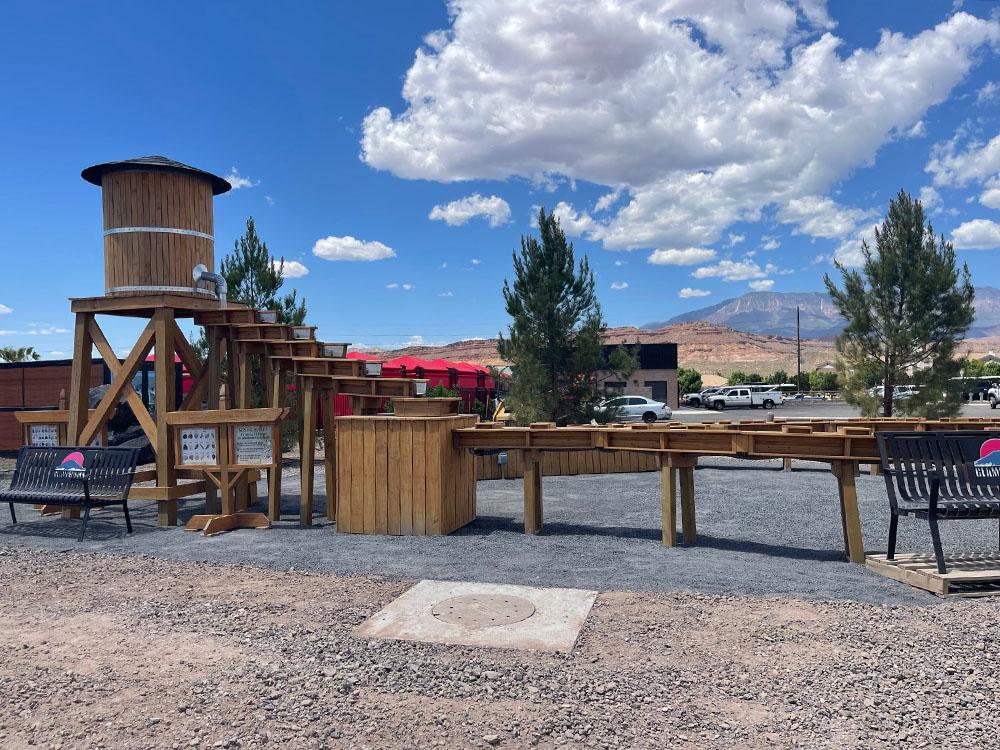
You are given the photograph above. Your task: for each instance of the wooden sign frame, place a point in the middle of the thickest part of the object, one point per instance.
(226, 472)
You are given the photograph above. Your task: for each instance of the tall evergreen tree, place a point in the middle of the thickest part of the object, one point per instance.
(906, 309)
(254, 277)
(19, 354)
(554, 341)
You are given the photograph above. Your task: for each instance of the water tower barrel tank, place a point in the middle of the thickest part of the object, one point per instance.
(158, 223)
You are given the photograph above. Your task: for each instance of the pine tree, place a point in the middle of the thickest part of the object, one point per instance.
(254, 277)
(906, 310)
(19, 354)
(555, 339)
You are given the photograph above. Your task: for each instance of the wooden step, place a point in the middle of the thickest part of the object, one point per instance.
(226, 316)
(969, 574)
(261, 331)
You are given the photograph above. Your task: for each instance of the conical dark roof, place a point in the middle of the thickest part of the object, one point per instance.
(153, 164)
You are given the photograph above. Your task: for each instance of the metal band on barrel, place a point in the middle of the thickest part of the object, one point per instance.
(165, 230)
(185, 289)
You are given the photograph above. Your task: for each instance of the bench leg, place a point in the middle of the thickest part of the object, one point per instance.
(83, 526)
(128, 519)
(13, 517)
(936, 540)
(893, 524)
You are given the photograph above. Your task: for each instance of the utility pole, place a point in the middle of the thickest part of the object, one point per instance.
(798, 350)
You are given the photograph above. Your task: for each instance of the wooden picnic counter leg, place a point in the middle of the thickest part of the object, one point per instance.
(845, 472)
(668, 479)
(687, 505)
(308, 452)
(532, 492)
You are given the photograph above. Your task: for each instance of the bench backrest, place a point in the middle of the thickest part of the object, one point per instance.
(108, 471)
(911, 460)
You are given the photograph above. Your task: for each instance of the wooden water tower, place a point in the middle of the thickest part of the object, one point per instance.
(158, 224)
(159, 254)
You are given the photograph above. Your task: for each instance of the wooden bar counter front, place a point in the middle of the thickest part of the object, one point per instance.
(403, 475)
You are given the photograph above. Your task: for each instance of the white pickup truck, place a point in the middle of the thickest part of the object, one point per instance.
(745, 396)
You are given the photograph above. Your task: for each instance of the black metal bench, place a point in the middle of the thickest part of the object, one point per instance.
(88, 477)
(940, 476)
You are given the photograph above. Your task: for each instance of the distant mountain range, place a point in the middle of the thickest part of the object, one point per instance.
(773, 314)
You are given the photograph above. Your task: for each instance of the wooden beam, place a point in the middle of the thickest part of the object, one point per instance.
(330, 455)
(79, 395)
(308, 450)
(212, 379)
(122, 380)
(142, 415)
(690, 527)
(186, 352)
(668, 491)
(163, 328)
(533, 514)
(850, 517)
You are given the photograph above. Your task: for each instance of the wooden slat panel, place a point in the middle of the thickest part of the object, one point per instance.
(393, 477)
(406, 478)
(419, 477)
(381, 477)
(368, 470)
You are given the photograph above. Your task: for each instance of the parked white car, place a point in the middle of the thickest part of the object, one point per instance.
(745, 396)
(634, 408)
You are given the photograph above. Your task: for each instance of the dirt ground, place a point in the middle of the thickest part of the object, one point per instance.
(103, 651)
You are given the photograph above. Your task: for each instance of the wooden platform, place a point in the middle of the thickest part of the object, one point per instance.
(969, 574)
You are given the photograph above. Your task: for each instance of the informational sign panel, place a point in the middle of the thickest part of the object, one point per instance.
(44, 435)
(253, 444)
(198, 446)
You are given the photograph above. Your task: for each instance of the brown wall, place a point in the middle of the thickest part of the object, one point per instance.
(33, 385)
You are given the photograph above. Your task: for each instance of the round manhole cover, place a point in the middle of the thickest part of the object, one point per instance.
(483, 610)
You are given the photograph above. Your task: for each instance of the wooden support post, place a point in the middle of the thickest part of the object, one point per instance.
(163, 329)
(79, 395)
(276, 396)
(786, 464)
(79, 398)
(330, 454)
(845, 472)
(668, 479)
(308, 449)
(213, 378)
(533, 516)
(687, 505)
(875, 469)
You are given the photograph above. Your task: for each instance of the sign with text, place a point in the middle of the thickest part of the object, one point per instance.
(253, 444)
(44, 435)
(198, 446)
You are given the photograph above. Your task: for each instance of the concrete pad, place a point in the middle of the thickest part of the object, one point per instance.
(483, 614)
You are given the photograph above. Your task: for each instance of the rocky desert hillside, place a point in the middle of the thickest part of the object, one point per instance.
(703, 346)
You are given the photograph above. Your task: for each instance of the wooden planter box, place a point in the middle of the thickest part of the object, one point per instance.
(421, 406)
(403, 475)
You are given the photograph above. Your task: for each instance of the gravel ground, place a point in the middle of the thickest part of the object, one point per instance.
(103, 651)
(762, 532)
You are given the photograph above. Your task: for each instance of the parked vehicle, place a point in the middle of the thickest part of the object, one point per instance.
(994, 395)
(634, 408)
(745, 396)
(701, 399)
(899, 392)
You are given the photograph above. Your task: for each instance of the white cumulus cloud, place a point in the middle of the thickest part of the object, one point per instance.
(350, 248)
(702, 114)
(689, 292)
(238, 181)
(4, 310)
(291, 269)
(618, 285)
(734, 270)
(494, 209)
(819, 216)
(689, 256)
(978, 234)
(762, 285)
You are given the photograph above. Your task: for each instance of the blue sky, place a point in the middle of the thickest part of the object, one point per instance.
(692, 155)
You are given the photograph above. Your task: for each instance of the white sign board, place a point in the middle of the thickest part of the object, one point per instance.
(253, 444)
(44, 435)
(198, 446)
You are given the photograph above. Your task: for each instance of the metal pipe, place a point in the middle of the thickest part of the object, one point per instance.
(201, 273)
